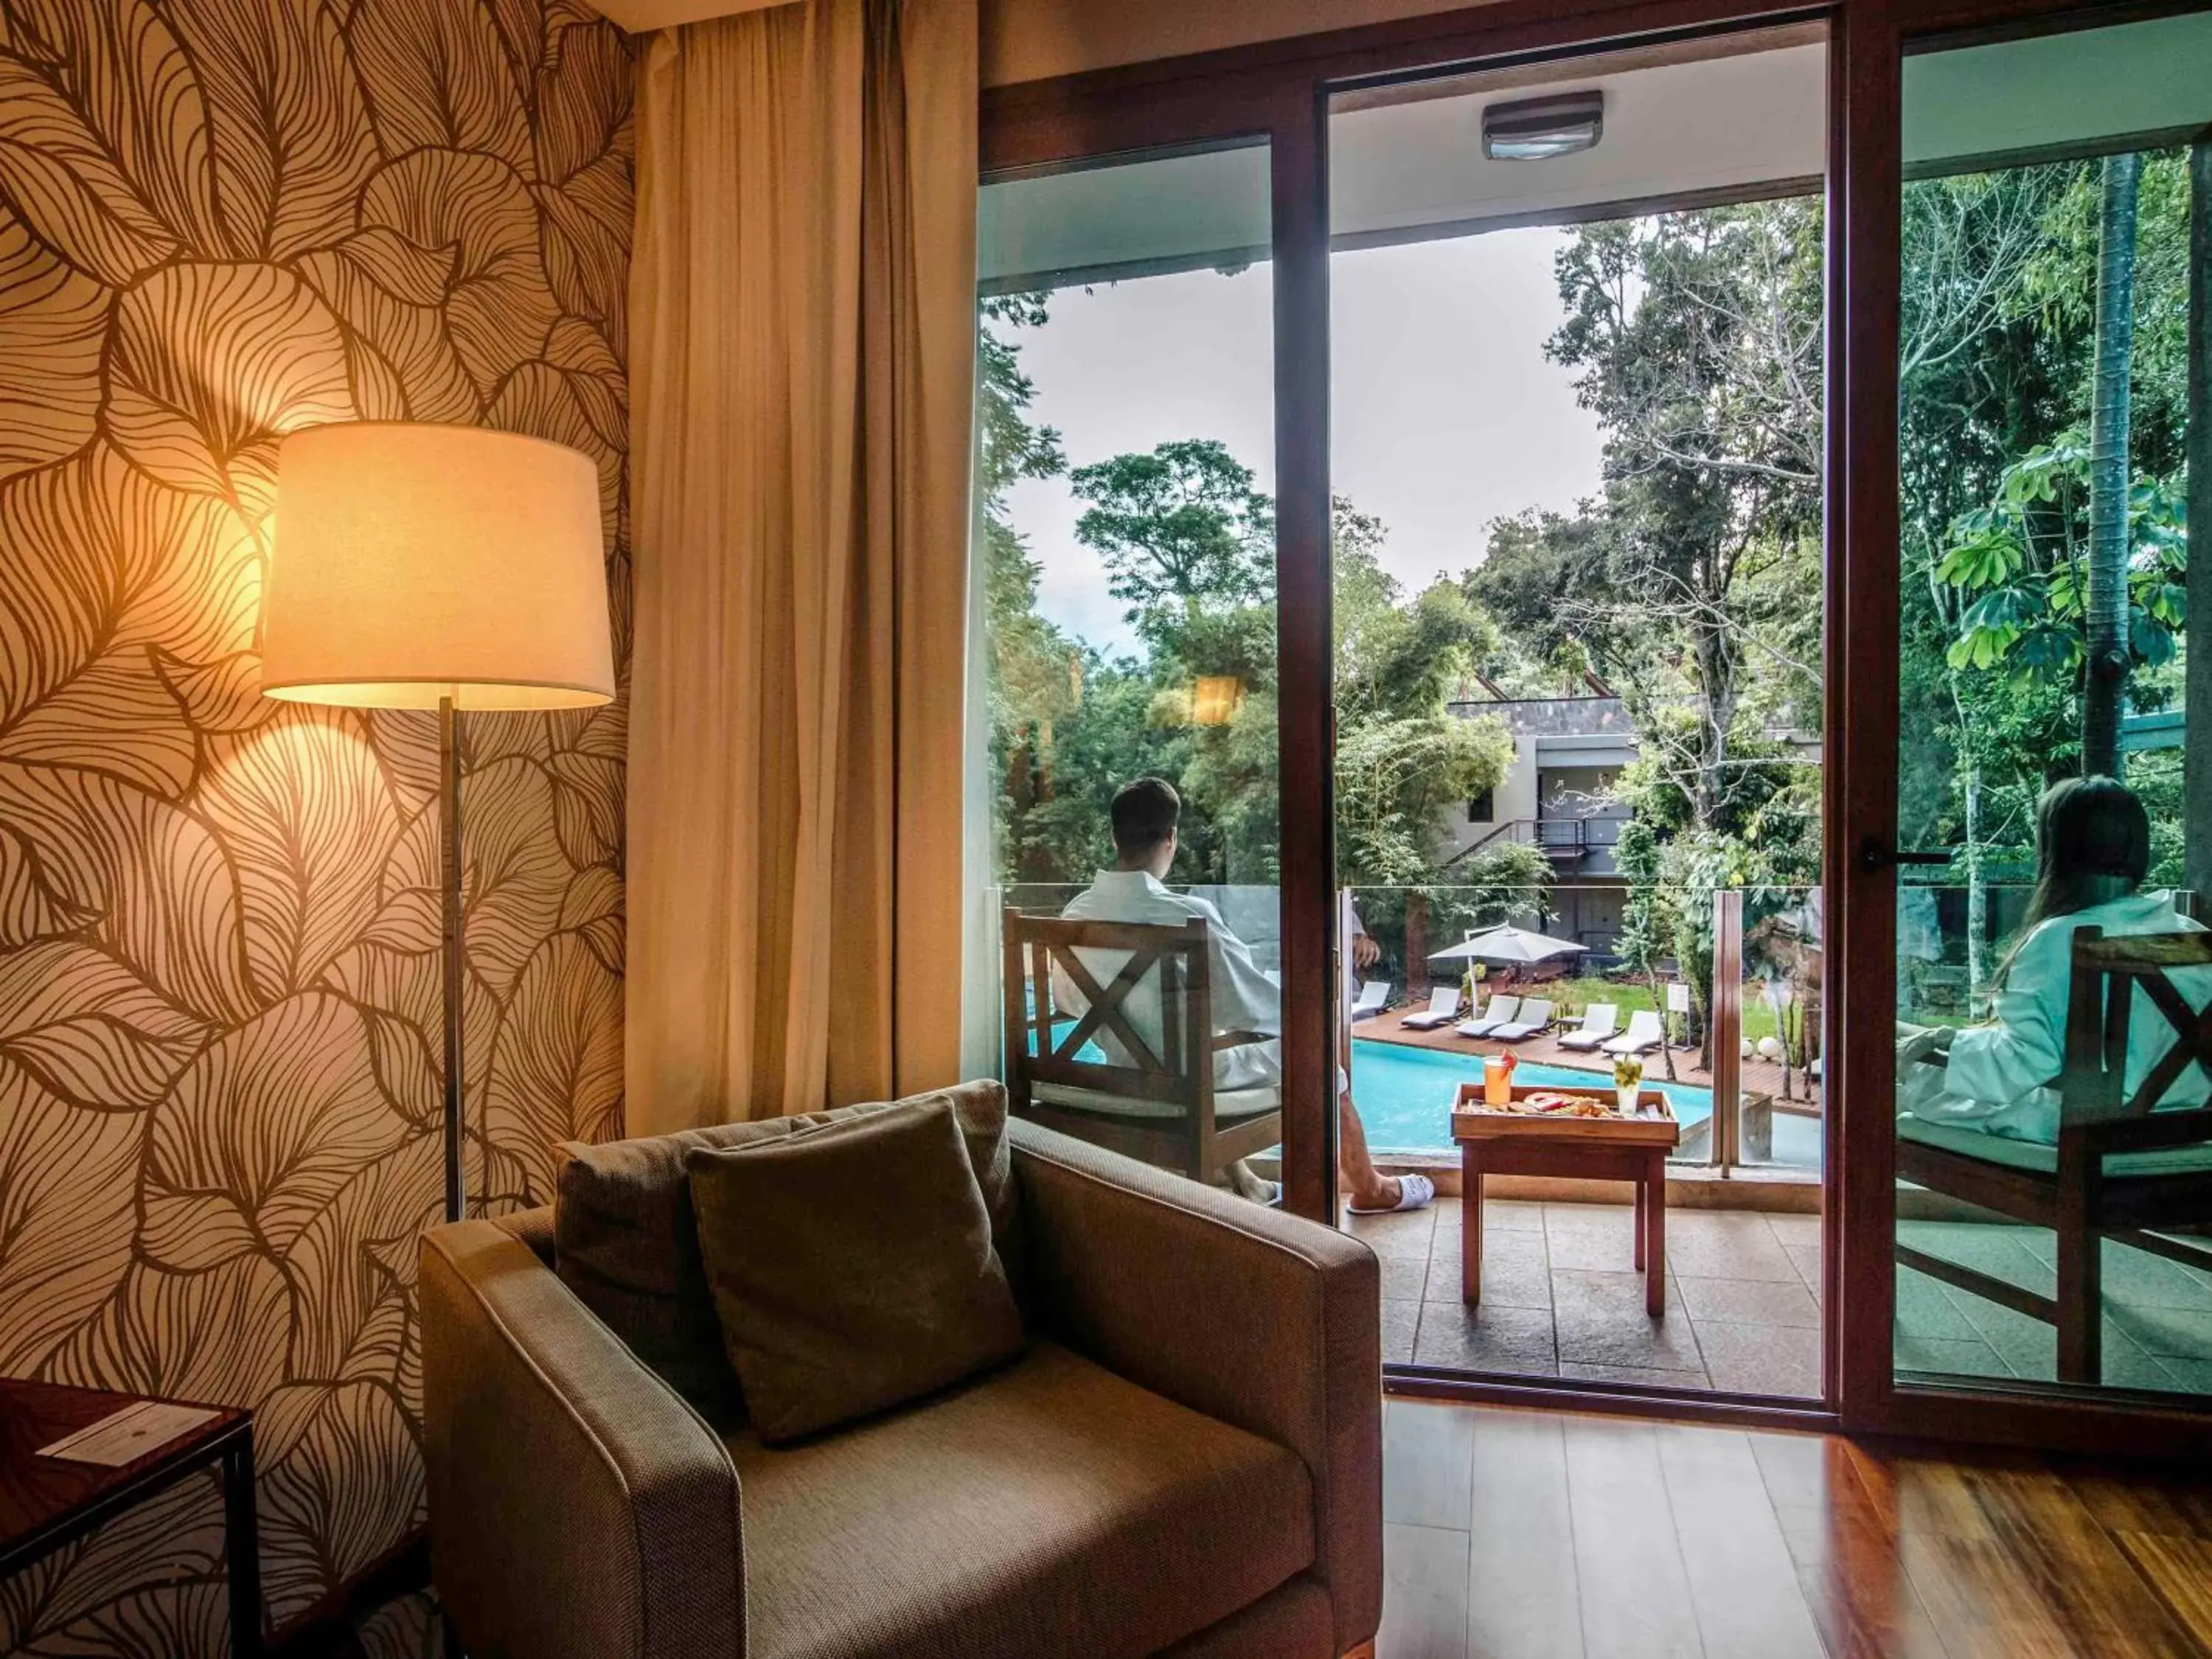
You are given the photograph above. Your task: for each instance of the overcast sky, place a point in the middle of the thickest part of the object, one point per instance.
(1445, 413)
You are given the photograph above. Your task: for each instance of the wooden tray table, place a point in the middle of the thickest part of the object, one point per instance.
(1612, 1148)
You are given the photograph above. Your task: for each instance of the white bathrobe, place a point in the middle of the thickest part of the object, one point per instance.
(1243, 998)
(1998, 1078)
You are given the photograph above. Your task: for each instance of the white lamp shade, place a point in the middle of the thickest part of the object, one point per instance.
(414, 563)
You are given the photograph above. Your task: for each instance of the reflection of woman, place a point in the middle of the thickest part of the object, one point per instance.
(2092, 852)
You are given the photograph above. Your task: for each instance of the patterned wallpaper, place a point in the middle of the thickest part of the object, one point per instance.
(219, 997)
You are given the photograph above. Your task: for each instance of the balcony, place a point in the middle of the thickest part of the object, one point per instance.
(1581, 845)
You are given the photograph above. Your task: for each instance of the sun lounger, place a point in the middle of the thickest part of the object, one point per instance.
(1644, 1031)
(1372, 995)
(1443, 1007)
(1502, 1011)
(1600, 1023)
(1535, 1016)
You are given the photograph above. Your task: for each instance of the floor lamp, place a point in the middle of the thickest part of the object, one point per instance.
(437, 567)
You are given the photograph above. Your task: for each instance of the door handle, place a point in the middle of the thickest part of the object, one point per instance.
(1877, 854)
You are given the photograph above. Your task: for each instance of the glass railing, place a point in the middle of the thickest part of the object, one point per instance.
(1768, 957)
(1952, 937)
(1718, 996)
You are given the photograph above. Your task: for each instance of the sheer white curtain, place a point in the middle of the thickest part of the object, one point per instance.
(802, 303)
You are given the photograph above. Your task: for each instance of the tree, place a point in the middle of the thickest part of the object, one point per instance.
(1403, 759)
(1696, 340)
(2027, 563)
(1986, 361)
(1034, 674)
(1395, 778)
(1178, 527)
(1649, 917)
(2196, 797)
(1509, 879)
(1008, 448)
(1994, 414)
(2106, 598)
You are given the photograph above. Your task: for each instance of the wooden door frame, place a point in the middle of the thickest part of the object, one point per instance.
(1872, 41)
(1279, 90)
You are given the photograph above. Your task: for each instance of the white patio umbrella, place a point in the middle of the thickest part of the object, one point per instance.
(1508, 943)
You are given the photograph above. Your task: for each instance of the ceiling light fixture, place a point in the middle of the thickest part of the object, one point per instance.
(1537, 128)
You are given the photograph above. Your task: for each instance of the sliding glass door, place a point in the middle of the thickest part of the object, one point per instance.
(1717, 593)
(1576, 345)
(2055, 700)
(1127, 729)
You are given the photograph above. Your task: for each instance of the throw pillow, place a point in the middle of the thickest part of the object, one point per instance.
(851, 1266)
(625, 1242)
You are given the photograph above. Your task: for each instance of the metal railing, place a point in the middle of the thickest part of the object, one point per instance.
(1564, 836)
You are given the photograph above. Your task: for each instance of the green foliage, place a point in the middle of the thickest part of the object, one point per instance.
(1510, 881)
(2001, 285)
(1395, 778)
(1692, 585)
(1187, 542)
(1178, 528)
(2021, 564)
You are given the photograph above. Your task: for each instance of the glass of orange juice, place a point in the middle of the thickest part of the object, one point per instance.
(1498, 1080)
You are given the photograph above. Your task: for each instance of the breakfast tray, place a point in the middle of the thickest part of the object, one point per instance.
(1654, 1125)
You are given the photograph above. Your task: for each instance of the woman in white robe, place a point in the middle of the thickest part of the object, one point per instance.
(2093, 851)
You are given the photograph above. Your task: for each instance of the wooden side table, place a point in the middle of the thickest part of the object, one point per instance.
(1574, 1148)
(47, 1502)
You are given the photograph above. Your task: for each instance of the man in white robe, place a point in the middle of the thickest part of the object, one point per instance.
(1245, 1001)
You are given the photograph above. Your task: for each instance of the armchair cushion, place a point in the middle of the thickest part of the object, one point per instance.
(625, 1240)
(1049, 1507)
(2041, 1157)
(851, 1266)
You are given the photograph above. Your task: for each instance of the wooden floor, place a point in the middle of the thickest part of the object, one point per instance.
(1517, 1534)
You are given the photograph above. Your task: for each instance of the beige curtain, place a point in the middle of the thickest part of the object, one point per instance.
(802, 353)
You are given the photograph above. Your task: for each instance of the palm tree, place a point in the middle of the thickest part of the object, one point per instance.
(2197, 799)
(2106, 618)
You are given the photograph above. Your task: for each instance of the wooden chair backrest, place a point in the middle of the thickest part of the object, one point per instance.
(1179, 1070)
(2100, 1013)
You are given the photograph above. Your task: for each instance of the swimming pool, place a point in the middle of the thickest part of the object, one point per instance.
(1404, 1094)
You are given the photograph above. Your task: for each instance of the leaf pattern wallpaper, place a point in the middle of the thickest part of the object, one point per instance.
(220, 220)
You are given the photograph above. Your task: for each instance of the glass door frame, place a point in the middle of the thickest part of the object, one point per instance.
(1873, 38)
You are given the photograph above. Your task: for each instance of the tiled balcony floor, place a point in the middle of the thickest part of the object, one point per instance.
(2158, 1314)
(1561, 1298)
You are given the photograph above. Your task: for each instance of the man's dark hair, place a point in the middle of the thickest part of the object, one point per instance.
(1144, 814)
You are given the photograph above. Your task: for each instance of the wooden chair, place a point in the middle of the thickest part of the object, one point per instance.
(1161, 1106)
(2121, 1169)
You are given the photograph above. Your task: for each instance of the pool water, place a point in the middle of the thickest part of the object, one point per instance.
(1404, 1094)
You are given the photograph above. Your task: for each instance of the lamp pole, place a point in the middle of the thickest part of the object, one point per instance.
(449, 839)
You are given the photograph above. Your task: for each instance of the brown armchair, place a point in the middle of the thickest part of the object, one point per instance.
(1186, 1461)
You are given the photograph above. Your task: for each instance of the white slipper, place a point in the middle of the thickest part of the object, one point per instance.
(1415, 1192)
